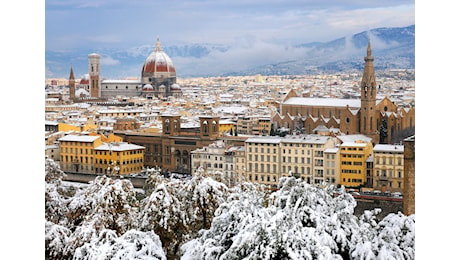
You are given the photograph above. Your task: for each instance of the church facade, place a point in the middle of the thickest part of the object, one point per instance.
(158, 79)
(382, 120)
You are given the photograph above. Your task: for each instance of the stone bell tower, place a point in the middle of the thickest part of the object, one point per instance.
(368, 115)
(94, 65)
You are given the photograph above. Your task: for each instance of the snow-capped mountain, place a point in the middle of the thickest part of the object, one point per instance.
(392, 48)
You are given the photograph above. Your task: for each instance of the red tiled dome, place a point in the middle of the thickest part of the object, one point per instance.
(158, 63)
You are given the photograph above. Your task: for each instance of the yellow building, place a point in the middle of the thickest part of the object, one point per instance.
(88, 153)
(388, 167)
(226, 127)
(353, 156)
(118, 158)
(76, 152)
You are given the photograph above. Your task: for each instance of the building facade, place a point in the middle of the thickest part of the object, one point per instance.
(96, 154)
(353, 157)
(118, 158)
(388, 167)
(271, 157)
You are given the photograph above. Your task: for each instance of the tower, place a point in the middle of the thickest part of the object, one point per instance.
(209, 127)
(368, 120)
(72, 85)
(94, 62)
(171, 124)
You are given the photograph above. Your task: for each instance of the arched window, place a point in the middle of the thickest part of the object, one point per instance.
(205, 127)
(167, 126)
(214, 127)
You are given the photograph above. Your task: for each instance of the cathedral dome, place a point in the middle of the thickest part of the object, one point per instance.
(158, 64)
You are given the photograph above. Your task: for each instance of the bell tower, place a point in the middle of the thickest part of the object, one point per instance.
(368, 120)
(71, 85)
(209, 127)
(171, 125)
(94, 64)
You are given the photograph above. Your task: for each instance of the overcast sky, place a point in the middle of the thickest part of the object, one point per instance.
(75, 24)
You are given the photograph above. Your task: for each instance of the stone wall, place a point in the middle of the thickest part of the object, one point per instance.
(387, 207)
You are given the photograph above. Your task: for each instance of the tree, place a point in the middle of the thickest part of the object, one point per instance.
(163, 212)
(300, 221)
(104, 204)
(55, 201)
(133, 244)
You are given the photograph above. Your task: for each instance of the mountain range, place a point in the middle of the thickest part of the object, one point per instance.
(392, 48)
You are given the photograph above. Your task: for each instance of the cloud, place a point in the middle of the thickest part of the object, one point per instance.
(246, 53)
(108, 60)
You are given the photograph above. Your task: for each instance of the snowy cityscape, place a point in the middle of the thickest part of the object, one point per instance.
(200, 168)
(237, 131)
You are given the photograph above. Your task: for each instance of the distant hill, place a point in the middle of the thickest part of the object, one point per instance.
(392, 48)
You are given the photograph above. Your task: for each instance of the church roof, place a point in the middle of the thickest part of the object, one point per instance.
(325, 102)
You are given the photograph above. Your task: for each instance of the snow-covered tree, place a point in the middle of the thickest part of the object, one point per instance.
(154, 178)
(300, 222)
(133, 244)
(392, 238)
(113, 202)
(56, 238)
(201, 196)
(55, 201)
(164, 213)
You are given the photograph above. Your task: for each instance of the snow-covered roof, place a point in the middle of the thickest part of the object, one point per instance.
(309, 139)
(79, 138)
(264, 139)
(353, 138)
(121, 81)
(326, 102)
(389, 148)
(354, 144)
(331, 150)
(117, 147)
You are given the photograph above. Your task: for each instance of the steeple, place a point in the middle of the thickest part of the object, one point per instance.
(368, 73)
(71, 85)
(368, 118)
(158, 45)
(71, 74)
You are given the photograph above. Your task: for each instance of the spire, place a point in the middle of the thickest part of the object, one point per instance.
(71, 73)
(158, 45)
(369, 52)
(368, 73)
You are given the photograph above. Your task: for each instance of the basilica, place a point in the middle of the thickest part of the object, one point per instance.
(158, 79)
(382, 120)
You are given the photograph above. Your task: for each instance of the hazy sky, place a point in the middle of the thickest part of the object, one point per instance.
(72, 24)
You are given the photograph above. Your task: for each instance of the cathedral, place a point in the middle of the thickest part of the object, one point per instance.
(382, 120)
(158, 79)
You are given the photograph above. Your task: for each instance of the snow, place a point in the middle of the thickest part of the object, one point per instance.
(323, 102)
(389, 148)
(79, 138)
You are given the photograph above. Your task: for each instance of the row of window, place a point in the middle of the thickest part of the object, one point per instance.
(383, 160)
(351, 163)
(351, 171)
